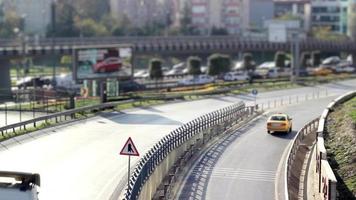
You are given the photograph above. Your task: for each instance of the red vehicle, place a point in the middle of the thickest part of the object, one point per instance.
(110, 64)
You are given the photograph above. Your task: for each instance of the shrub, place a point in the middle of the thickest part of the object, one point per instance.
(194, 64)
(316, 60)
(155, 69)
(248, 63)
(218, 64)
(280, 59)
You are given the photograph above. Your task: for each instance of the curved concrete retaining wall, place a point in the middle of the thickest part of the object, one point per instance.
(326, 178)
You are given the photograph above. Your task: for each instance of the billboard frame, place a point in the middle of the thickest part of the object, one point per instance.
(118, 46)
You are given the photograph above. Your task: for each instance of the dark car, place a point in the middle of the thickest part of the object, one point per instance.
(33, 82)
(130, 86)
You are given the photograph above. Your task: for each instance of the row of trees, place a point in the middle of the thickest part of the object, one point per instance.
(220, 63)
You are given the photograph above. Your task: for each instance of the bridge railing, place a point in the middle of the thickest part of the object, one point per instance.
(174, 148)
(15, 42)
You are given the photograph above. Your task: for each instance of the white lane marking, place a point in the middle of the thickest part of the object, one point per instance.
(242, 174)
(243, 178)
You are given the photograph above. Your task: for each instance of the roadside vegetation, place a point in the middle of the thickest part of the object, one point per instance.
(340, 143)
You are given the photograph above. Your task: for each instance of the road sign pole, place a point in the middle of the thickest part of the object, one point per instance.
(128, 176)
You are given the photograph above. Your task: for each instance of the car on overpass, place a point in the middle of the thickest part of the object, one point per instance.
(279, 123)
(19, 185)
(111, 64)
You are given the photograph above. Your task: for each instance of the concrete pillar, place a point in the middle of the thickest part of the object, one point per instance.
(5, 80)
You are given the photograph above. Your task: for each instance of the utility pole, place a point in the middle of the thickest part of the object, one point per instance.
(53, 34)
(295, 50)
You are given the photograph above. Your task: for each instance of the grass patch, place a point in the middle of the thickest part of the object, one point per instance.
(340, 141)
(352, 109)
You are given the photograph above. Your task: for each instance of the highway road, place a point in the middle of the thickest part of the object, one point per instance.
(81, 160)
(245, 165)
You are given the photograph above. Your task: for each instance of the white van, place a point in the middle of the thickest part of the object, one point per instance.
(19, 186)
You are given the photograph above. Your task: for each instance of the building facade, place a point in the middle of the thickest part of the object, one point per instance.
(209, 14)
(142, 12)
(296, 9)
(330, 13)
(257, 12)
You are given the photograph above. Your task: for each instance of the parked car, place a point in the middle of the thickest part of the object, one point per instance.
(273, 72)
(322, 71)
(130, 86)
(344, 67)
(333, 60)
(236, 76)
(33, 82)
(279, 123)
(198, 80)
(111, 64)
(141, 74)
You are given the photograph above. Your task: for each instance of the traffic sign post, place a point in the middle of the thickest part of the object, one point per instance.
(129, 149)
(255, 92)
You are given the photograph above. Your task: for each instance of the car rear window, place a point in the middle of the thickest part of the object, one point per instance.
(278, 118)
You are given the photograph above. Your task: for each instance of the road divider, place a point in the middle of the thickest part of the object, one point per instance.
(157, 171)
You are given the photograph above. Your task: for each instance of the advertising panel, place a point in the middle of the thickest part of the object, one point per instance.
(102, 63)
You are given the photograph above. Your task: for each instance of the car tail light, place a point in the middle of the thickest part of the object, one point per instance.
(283, 124)
(269, 124)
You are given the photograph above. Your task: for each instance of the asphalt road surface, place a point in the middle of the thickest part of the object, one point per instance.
(81, 160)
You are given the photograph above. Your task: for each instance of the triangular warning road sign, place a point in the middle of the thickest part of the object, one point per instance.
(129, 149)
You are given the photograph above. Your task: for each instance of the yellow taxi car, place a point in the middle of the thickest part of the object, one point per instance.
(322, 71)
(279, 123)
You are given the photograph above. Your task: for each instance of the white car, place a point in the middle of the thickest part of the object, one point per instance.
(345, 69)
(236, 76)
(19, 186)
(198, 80)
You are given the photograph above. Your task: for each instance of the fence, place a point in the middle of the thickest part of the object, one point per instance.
(13, 128)
(304, 139)
(163, 158)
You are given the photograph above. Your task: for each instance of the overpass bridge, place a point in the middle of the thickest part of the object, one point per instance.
(168, 45)
(163, 46)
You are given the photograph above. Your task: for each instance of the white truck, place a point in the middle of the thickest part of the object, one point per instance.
(19, 185)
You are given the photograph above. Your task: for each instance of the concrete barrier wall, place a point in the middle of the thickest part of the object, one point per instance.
(326, 177)
(149, 189)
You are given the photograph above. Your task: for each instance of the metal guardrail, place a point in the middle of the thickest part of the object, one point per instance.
(291, 183)
(58, 116)
(178, 137)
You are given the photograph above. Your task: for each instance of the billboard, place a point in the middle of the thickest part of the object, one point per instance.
(103, 62)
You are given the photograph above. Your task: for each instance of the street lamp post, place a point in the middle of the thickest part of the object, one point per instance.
(53, 31)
